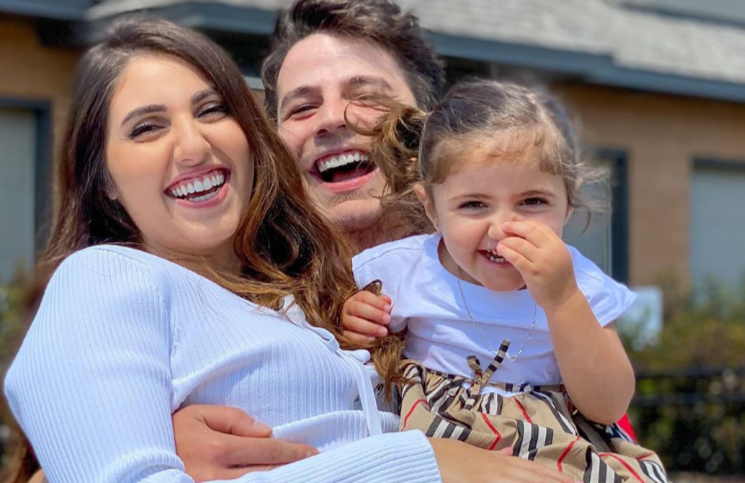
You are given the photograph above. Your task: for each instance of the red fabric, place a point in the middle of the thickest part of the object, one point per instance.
(626, 426)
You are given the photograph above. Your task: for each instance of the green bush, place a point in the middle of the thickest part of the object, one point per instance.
(13, 326)
(690, 402)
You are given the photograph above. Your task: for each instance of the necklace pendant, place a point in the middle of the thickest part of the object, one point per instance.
(513, 358)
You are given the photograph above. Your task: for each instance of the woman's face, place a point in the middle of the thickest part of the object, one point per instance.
(180, 163)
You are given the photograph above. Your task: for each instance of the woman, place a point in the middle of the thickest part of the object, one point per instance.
(192, 268)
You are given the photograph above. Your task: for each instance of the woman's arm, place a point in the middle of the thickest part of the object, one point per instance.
(91, 387)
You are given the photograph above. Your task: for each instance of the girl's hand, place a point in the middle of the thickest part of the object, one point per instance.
(365, 316)
(222, 443)
(542, 259)
(459, 461)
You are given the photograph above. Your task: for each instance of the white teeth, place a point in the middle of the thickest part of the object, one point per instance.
(204, 197)
(198, 186)
(341, 160)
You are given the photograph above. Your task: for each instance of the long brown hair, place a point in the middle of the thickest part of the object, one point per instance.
(285, 246)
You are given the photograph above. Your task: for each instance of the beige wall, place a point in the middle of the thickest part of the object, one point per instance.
(661, 135)
(35, 72)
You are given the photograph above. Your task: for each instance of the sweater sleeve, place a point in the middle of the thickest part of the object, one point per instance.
(91, 388)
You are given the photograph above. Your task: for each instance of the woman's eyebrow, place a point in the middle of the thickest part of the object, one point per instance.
(152, 108)
(201, 95)
(144, 110)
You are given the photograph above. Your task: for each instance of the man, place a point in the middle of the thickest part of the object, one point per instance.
(327, 53)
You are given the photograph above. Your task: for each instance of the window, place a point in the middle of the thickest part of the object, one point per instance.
(717, 222)
(605, 239)
(17, 190)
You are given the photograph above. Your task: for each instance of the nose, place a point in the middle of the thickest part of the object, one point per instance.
(495, 231)
(331, 117)
(192, 147)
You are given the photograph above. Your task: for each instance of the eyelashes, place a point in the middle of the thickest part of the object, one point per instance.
(211, 112)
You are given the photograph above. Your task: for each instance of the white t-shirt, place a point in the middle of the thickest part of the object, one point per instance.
(441, 336)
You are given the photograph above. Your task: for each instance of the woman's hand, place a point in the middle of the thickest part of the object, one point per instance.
(222, 443)
(459, 462)
(365, 316)
(543, 259)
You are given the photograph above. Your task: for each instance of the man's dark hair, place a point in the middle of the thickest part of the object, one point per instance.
(379, 21)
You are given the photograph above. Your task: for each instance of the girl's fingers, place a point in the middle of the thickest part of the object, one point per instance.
(514, 257)
(364, 327)
(380, 302)
(368, 312)
(521, 246)
(533, 231)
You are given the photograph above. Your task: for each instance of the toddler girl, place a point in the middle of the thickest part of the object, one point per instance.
(510, 340)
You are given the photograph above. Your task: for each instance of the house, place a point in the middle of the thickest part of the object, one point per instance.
(657, 87)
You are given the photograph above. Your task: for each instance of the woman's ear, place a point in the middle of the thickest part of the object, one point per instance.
(429, 206)
(111, 192)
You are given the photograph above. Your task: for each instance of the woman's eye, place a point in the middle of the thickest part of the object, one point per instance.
(142, 130)
(215, 110)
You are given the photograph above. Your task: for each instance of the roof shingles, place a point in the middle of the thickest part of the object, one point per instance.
(633, 39)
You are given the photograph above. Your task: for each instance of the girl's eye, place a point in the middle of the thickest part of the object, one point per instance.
(534, 202)
(143, 129)
(471, 205)
(214, 110)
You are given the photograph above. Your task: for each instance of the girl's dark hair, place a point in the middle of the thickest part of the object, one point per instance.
(285, 246)
(378, 21)
(478, 117)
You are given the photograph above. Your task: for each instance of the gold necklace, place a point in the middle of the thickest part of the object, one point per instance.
(513, 358)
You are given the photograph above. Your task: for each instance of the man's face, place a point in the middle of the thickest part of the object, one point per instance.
(319, 77)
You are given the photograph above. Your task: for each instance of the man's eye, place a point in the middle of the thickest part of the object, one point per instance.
(301, 109)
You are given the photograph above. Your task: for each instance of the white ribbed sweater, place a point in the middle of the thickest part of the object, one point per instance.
(124, 338)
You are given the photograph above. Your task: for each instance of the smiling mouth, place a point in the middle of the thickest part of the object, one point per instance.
(492, 256)
(200, 188)
(343, 167)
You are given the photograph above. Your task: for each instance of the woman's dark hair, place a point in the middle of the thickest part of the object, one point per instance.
(378, 21)
(285, 246)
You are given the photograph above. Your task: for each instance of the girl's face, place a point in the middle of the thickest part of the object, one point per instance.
(180, 164)
(473, 202)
